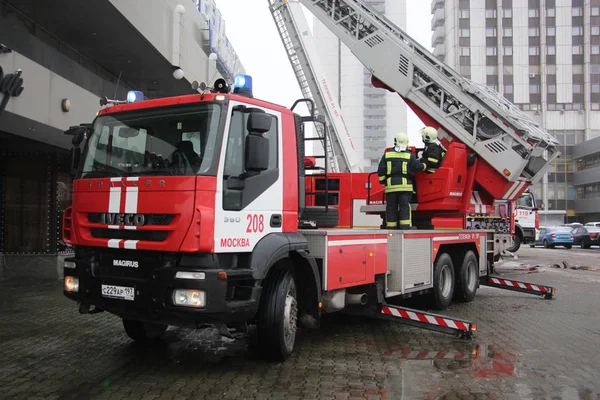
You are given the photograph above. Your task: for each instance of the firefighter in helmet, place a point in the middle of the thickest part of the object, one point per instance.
(434, 151)
(395, 172)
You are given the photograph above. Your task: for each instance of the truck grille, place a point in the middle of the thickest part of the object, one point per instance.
(151, 219)
(145, 235)
(150, 236)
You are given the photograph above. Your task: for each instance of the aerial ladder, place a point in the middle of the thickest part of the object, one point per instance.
(340, 151)
(506, 150)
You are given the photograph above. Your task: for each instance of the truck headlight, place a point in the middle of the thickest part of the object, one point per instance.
(189, 298)
(70, 264)
(71, 284)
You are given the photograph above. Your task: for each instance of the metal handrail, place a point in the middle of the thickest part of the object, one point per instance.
(369, 189)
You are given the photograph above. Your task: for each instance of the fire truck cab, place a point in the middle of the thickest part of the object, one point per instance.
(526, 220)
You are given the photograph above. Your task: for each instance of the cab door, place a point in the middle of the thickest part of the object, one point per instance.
(249, 202)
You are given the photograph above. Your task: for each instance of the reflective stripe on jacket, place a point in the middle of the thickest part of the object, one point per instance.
(433, 155)
(396, 168)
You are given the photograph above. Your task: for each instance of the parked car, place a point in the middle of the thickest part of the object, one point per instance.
(586, 236)
(550, 237)
(595, 224)
(571, 225)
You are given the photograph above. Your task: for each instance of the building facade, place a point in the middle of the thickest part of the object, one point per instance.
(373, 116)
(587, 179)
(57, 59)
(542, 55)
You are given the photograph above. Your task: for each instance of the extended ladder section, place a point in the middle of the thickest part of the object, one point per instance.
(302, 52)
(510, 142)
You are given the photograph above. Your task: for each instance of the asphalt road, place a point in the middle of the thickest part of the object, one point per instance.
(525, 348)
(548, 257)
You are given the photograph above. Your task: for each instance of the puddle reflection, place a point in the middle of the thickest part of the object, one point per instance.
(481, 361)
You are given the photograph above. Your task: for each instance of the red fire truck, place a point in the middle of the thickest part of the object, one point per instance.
(197, 210)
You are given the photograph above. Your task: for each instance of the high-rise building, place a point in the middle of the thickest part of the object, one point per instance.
(542, 55)
(372, 115)
(587, 179)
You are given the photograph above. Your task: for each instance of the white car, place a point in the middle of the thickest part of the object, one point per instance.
(596, 224)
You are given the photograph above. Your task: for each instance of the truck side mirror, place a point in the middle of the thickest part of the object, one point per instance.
(259, 122)
(256, 153)
(75, 159)
(78, 133)
(256, 149)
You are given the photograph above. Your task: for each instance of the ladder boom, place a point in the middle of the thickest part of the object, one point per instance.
(514, 145)
(299, 44)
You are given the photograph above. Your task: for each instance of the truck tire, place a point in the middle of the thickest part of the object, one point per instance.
(443, 282)
(467, 278)
(516, 244)
(144, 331)
(277, 316)
(323, 217)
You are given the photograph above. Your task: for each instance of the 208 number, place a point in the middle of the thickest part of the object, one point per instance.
(256, 223)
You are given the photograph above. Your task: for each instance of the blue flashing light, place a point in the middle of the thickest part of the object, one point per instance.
(243, 85)
(134, 96)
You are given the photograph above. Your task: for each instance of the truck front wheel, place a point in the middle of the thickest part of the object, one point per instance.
(144, 331)
(277, 315)
(517, 240)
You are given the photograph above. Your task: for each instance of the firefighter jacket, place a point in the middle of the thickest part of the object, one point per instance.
(433, 155)
(396, 169)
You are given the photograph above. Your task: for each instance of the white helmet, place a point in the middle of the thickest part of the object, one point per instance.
(401, 139)
(429, 134)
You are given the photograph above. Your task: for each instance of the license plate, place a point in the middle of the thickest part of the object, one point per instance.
(118, 292)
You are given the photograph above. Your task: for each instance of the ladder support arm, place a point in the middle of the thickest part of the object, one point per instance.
(297, 39)
(471, 113)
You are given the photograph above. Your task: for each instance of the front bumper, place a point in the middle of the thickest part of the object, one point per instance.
(231, 295)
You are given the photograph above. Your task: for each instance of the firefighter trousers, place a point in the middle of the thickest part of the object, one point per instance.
(397, 210)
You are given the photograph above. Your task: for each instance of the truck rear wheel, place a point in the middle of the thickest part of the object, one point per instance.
(443, 282)
(467, 278)
(277, 316)
(144, 331)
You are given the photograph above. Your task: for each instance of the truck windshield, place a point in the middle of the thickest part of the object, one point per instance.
(178, 140)
(525, 201)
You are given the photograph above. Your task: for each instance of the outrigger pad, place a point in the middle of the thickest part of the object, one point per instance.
(523, 287)
(435, 322)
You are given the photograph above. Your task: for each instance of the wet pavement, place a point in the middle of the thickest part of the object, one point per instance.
(525, 348)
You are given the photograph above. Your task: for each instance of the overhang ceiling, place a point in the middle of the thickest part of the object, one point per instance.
(98, 31)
